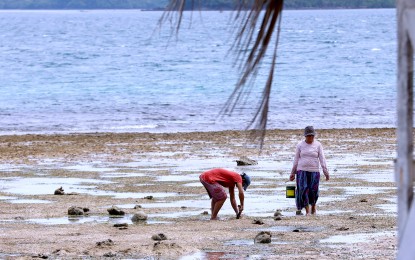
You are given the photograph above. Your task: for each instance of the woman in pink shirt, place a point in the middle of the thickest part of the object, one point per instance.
(308, 157)
(214, 180)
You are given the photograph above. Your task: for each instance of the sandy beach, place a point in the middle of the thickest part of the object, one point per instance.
(158, 174)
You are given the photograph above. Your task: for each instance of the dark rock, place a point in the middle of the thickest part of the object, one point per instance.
(159, 237)
(363, 200)
(121, 225)
(351, 218)
(342, 229)
(115, 211)
(137, 207)
(59, 191)
(183, 207)
(296, 230)
(277, 213)
(149, 197)
(263, 237)
(107, 242)
(139, 216)
(243, 161)
(205, 213)
(110, 254)
(85, 210)
(277, 218)
(77, 211)
(258, 221)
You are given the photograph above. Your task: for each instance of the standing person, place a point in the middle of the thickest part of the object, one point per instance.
(308, 157)
(214, 180)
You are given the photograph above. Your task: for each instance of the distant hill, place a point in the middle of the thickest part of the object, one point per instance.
(204, 5)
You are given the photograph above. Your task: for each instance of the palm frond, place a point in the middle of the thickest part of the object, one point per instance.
(256, 30)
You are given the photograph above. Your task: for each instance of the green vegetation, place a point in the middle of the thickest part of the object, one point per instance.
(161, 4)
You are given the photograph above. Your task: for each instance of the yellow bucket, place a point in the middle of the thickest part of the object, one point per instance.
(290, 191)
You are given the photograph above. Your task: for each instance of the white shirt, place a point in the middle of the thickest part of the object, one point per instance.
(308, 157)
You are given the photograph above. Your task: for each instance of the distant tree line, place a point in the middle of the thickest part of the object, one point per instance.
(198, 4)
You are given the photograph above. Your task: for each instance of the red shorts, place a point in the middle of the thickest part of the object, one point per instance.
(215, 190)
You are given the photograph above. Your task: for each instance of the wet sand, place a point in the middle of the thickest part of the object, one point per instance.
(356, 212)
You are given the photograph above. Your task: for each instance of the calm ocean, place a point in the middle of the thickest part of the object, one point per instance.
(114, 71)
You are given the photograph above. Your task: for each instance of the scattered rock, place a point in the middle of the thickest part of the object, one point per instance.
(139, 216)
(205, 213)
(363, 200)
(342, 229)
(121, 225)
(73, 210)
(85, 210)
(159, 237)
(263, 237)
(110, 254)
(243, 161)
(296, 230)
(277, 218)
(115, 211)
(183, 207)
(277, 213)
(373, 226)
(149, 197)
(107, 242)
(258, 221)
(137, 207)
(19, 218)
(59, 191)
(351, 218)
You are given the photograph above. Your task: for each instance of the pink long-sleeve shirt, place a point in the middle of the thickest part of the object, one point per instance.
(308, 157)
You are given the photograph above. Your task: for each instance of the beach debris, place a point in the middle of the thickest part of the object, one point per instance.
(104, 243)
(296, 230)
(363, 200)
(159, 237)
(74, 210)
(137, 206)
(243, 161)
(59, 191)
(114, 210)
(263, 237)
(205, 213)
(342, 229)
(149, 197)
(139, 216)
(258, 221)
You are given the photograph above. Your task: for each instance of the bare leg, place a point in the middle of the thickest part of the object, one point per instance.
(307, 210)
(216, 207)
(313, 209)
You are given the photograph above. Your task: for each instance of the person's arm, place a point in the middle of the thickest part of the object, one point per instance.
(295, 163)
(232, 199)
(322, 159)
(241, 195)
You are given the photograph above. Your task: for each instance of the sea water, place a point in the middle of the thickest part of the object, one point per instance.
(119, 71)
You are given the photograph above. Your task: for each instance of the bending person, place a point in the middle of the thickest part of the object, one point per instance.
(215, 180)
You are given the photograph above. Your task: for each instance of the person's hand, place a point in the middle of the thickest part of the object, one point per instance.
(327, 177)
(292, 177)
(240, 209)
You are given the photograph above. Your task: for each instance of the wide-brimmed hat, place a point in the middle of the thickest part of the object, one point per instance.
(309, 130)
(246, 180)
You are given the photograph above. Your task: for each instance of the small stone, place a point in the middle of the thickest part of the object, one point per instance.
(258, 221)
(115, 211)
(110, 254)
(159, 237)
(85, 210)
(363, 200)
(296, 230)
(342, 229)
(59, 191)
(139, 216)
(107, 242)
(183, 207)
(137, 207)
(205, 213)
(351, 218)
(263, 237)
(277, 213)
(78, 211)
(121, 225)
(277, 218)
(149, 197)
(245, 161)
